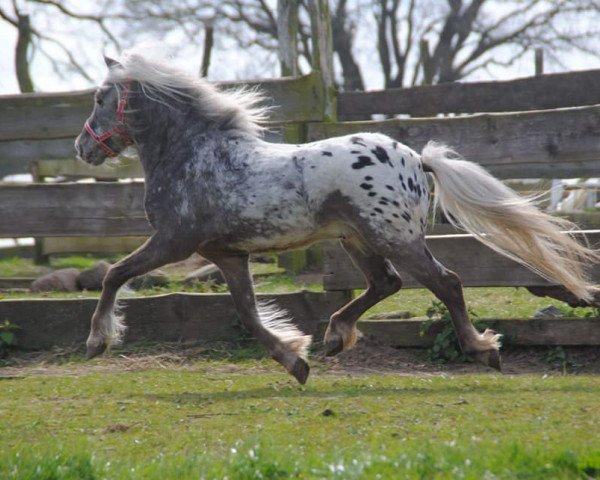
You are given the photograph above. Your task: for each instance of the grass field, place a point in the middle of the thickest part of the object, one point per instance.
(245, 419)
(239, 416)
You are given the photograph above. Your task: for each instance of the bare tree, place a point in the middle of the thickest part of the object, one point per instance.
(409, 42)
(466, 36)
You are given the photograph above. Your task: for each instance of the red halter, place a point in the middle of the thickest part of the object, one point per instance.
(118, 129)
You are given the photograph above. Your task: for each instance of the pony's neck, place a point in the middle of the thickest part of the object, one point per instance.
(163, 129)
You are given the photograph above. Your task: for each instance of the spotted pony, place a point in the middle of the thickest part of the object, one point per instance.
(215, 187)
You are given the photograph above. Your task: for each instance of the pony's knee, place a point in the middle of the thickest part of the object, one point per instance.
(391, 284)
(386, 283)
(114, 278)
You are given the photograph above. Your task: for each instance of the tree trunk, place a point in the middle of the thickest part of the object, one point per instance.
(21, 60)
(342, 45)
(208, 46)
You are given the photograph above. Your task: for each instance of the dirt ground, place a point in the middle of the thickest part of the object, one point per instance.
(369, 356)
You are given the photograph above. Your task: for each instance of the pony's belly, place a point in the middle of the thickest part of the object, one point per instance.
(289, 240)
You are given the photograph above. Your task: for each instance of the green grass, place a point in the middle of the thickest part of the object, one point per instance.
(249, 420)
(20, 267)
(486, 302)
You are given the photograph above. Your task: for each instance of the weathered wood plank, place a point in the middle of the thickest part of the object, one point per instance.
(44, 323)
(560, 143)
(73, 168)
(105, 245)
(522, 332)
(476, 264)
(557, 90)
(287, 36)
(93, 209)
(43, 116)
(322, 54)
(16, 156)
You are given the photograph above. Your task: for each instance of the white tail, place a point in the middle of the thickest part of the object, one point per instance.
(279, 323)
(473, 199)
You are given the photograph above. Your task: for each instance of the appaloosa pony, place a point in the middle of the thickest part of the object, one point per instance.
(213, 186)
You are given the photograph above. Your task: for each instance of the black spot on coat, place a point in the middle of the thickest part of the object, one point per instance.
(363, 161)
(327, 154)
(366, 186)
(382, 155)
(358, 141)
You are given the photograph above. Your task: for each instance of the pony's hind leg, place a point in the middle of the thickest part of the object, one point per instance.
(269, 325)
(382, 281)
(446, 285)
(106, 326)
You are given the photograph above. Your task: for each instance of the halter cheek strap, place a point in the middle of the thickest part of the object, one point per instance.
(118, 129)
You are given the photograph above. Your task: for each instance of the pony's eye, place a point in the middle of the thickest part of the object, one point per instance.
(99, 101)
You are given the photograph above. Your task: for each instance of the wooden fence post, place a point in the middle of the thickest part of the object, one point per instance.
(322, 55)
(539, 62)
(287, 36)
(287, 39)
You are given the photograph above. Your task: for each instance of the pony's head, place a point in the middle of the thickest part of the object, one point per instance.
(105, 133)
(160, 92)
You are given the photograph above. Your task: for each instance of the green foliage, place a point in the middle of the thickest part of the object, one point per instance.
(559, 359)
(445, 346)
(81, 262)
(20, 267)
(7, 337)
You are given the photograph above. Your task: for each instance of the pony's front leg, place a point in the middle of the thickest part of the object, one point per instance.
(284, 342)
(107, 326)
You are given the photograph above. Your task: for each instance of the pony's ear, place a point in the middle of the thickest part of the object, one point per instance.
(111, 63)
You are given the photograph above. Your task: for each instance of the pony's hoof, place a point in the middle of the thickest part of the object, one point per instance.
(489, 358)
(300, 371)
(94, 350)
(333, 346)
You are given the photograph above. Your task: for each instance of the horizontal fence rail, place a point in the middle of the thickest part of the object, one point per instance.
(476, 264)
(43, 126)
(562, 143)
(74, 209)
(558, 90)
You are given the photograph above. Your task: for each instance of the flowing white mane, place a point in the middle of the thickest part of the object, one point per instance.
(239, 108)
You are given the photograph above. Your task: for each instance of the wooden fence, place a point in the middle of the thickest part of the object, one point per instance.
(547, 126)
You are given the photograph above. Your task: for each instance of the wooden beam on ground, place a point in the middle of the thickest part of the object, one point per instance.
(73, 209)
(476, 265)
(175, 317)
(541, 144)
(557, 90)
(521, 332)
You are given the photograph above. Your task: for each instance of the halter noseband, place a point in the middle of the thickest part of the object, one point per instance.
(118, 129)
